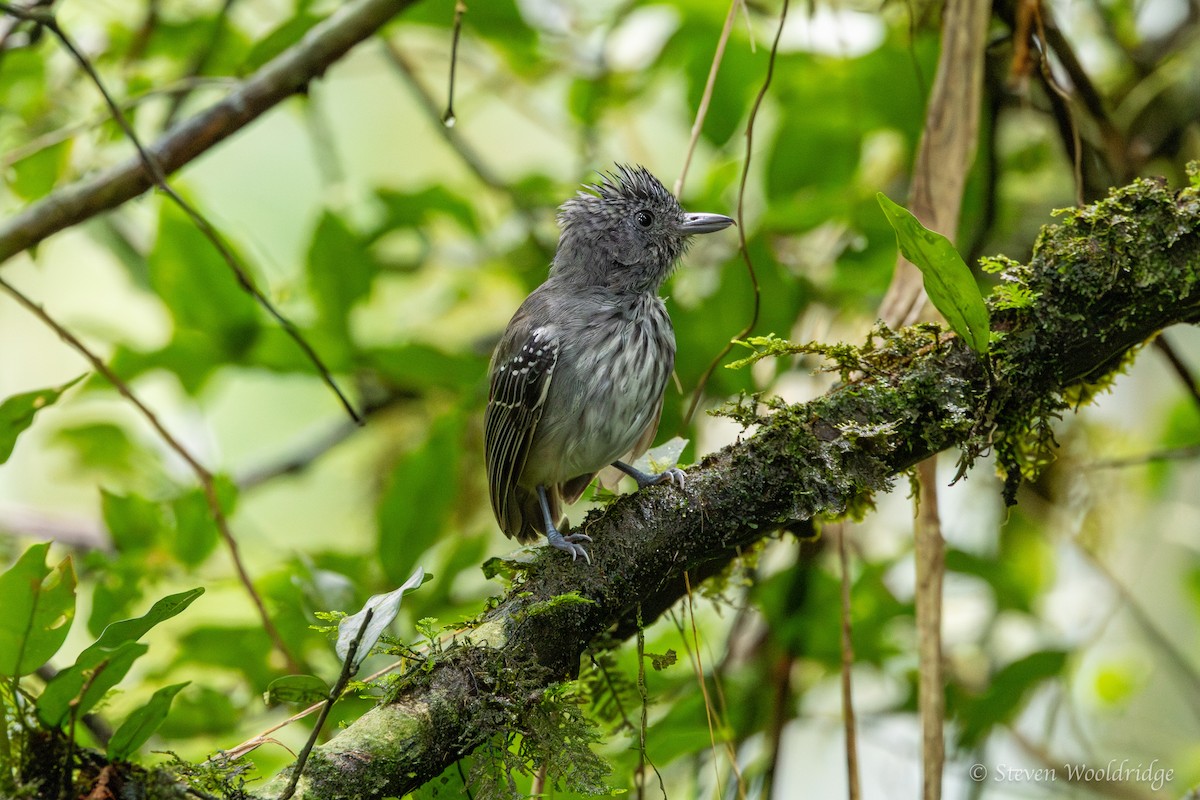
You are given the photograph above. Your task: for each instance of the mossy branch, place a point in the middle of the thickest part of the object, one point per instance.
(1103, 280)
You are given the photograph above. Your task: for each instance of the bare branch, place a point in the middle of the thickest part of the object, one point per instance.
(282, 77)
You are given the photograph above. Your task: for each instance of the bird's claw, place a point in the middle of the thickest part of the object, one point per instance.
(570, 544)
(674, 476)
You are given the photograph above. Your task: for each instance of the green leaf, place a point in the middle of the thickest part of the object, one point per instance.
(1006, 695)
(36, 174)
(300, 690)
(948, 281)
(101, 446)
(130, 630)
(102, 664)
(420, 494)
(383, 608)
(416, 209)
(133, 522)
(85, 683)
(198, 286)
(217, 648)
(18, 411)
(39, 605)
(340, 270)
(202, 711)
(142, 723)
(195, 531)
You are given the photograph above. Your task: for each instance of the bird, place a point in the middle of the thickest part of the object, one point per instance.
(577, 379)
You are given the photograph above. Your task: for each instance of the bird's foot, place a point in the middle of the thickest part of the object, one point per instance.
(674, 475)
(569, 543)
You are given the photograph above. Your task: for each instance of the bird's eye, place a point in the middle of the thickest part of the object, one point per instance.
(644, 219)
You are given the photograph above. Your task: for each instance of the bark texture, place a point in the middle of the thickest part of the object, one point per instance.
(1101, 282)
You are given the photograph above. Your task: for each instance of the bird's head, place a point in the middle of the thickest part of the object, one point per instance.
(626, 232)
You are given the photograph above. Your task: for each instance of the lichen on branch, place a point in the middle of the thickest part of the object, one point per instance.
(1101, 281)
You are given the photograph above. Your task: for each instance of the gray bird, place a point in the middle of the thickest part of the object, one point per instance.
(577, 380)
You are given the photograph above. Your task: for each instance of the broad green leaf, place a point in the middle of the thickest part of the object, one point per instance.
(133, 522)
(35, 175)
(101, 665)
(340, 270)
(142, 723)
(17, 413)
(414, 209)
(130, 630)
(1006, 694)
(38, 606)
(384, 608)
(420, 494)
(948, 281)
(200, 289)
(225, 647)
(195, 531)
(85, 683)
(102, 446)
(300, 690)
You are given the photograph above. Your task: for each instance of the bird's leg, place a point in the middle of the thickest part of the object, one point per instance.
(674, 475)
(568, 543)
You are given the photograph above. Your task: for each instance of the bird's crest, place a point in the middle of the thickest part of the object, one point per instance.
(628, 182)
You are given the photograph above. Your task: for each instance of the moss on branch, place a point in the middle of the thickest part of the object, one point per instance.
(1101, 281)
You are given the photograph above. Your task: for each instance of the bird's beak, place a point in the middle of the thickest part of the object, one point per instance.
(704, 223)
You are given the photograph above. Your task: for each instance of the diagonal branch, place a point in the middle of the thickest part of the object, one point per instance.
(207, 480)
(206, 228)
(282, 77)
(1104, 280)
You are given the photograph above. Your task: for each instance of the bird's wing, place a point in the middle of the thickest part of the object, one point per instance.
(520, 382)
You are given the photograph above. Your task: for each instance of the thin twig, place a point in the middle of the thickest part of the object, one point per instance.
(348, 669)
(698, 666)
(1181, 369)
(1186, 453)
(236, 752)
(469, 157)
(207, 481)
(741, 221)
(50, 22)
(458, 144)
(1053, 84)
(644, 722)
(930, 562)
(460, 8)
(853, 791)
(51, 138)
(706, 98)
(1150, 628)
(199, 62)
(275, 81)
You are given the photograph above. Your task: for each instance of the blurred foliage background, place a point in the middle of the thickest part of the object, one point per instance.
(400, 247)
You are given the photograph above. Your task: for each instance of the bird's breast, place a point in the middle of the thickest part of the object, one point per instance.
(607, 389)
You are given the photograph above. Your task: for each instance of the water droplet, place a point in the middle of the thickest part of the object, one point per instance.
(448, 119)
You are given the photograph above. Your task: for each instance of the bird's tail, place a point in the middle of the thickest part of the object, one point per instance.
(527, 524)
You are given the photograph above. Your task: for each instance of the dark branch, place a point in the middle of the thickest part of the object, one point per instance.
(288, 74)
(1102, 281)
